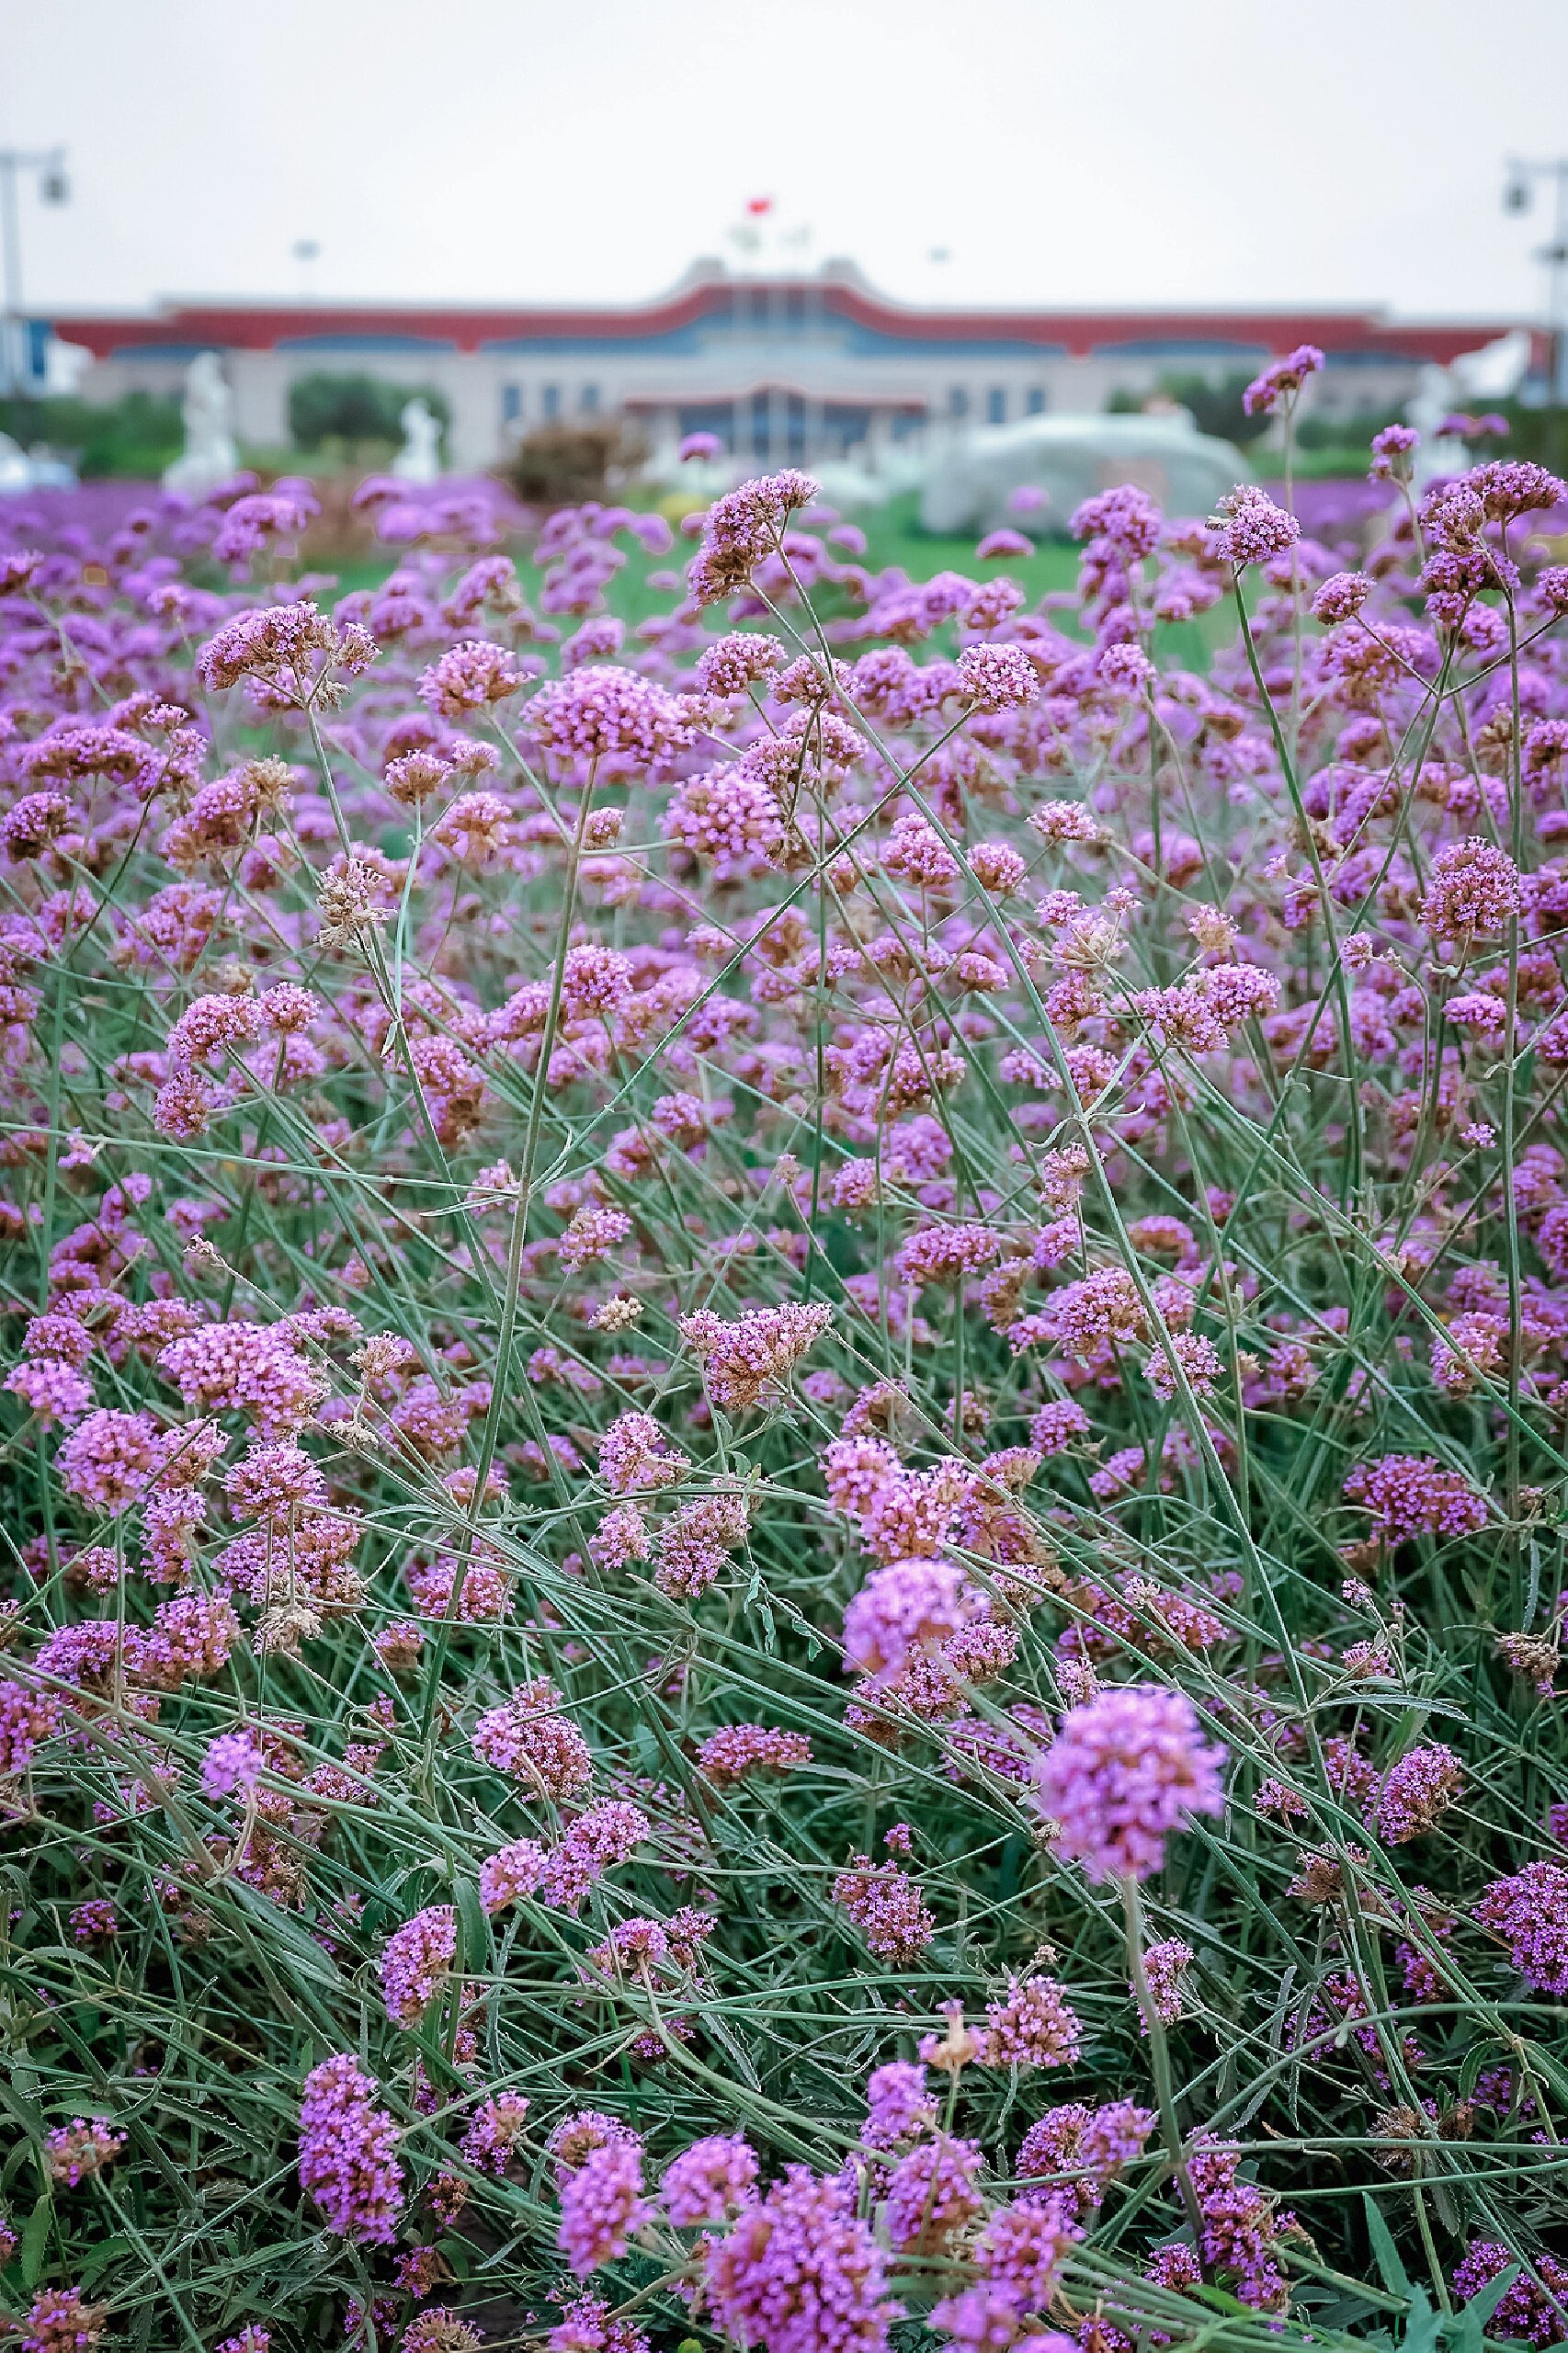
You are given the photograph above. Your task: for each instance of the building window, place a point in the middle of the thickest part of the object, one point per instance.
(710, 416)
(997, 406)
(549, 402)
(958, 400)
(590, 401)
(511, 403)
(844, 424)
(1035, 403)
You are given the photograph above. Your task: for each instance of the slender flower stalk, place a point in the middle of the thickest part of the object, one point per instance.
(1159, 2052)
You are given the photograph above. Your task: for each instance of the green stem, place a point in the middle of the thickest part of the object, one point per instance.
(1159, 2053)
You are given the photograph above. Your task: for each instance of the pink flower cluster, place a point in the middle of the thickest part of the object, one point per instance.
(738, 1751)
(887, 1906)
(1127, 1770)
(531, 1737)
(601, 2204)
(744, 1361)
(800, 2273)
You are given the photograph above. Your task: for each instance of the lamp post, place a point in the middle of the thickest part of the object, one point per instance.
(306, 251)
(48, 164)
(1519, 195)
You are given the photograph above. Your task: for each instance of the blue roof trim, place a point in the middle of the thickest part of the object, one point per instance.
(678, 341)
(366, 343)
(876, 341)
(1157, 346)
(712, 333)
(161, 350)
(715, 332)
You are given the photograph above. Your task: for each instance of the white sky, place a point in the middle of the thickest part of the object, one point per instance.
(1064, 150)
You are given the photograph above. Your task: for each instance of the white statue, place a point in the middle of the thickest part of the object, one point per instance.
(16, 469)
(1437, 396)
(1493, 373)
(419, 459)
(1497, 370)
(210, 456)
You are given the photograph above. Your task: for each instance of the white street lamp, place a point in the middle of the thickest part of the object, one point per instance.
(48, 164)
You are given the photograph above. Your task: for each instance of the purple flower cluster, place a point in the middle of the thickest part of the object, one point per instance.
(232, 1765)
(1240, 2225)
(27, 1719)
(602, 2205)
(1417, 1792)
(743, 1361)
(1124, 1772)
(1534, 2307)
(742, 529)
(493, 2131)
(1034, 2026)
(531, 1737)
(60, 2320)
(737, 1751)
(1088, 2147)
(602, 712)
(932, 2196)
(1017, 2259)
(416, 1961)
(1529, 1913)
(347, 2154)
(1164, 1967)
(800, 2273)
(709, 2181)
(77, 2151)
(1252, 529)
(887, 1906)
(899, 2106)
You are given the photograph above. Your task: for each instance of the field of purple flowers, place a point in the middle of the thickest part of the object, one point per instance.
(786, 1422)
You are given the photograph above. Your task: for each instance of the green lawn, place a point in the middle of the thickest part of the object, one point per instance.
(893, 537)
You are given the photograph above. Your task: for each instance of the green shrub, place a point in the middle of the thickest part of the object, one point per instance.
(137, 435)
(355, 410)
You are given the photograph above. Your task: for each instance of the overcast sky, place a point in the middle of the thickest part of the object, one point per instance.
(1057, 151)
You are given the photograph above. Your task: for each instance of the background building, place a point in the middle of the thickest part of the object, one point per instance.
(787, 370)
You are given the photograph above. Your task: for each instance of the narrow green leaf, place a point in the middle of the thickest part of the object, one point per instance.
(98, 2258)
(35, 2239)
(1385, 2252)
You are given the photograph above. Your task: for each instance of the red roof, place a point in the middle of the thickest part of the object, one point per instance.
(260, 326)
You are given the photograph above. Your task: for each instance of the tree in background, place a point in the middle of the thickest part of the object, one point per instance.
(352, 412)
(135, 436)
(1538, 433)
(1217, 408)
(1214, 408)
